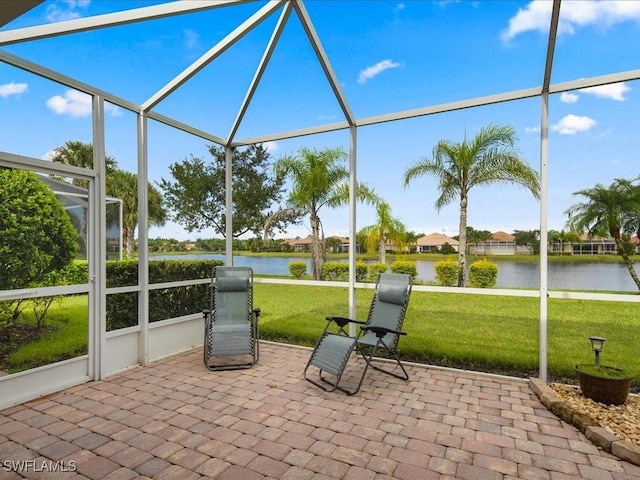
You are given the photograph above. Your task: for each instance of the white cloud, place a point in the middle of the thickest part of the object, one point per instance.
(534, 16)
(572, 124)
(579, 13)
(566, 97)
(66, 10)
(76, 104)
(49, 155)
(270, 147)
(376, 69)
(613, 91)
(400, 6)
(13, 88)
(532, 129)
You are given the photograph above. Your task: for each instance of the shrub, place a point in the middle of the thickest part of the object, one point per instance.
(447, 273)
(447, 249)
(375, 269)
(362, 270)
(164, 303)
(334, 271)
(297, 269)
(38, 236)
(77, 273)
(339, 271)
(405, 266)
(483, 274)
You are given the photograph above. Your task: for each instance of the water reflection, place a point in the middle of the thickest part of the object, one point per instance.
(561, 276)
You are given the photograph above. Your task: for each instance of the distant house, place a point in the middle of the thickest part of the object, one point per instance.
(500, 243)
(433, 242)
(591, 245)
(342, 248)
(300, 244)
(304, 244)
(594, 246)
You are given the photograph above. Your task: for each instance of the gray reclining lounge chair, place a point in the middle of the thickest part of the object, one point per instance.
(231, 337)
(378, 335)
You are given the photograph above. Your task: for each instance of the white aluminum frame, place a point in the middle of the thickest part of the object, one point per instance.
(351, 123)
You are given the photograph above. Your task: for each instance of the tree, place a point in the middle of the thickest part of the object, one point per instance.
(79, 154)
(118, 183)
(411, 240)
(608, 211)
(477, 236)
(387, 228)
(562, 237)
(318, 178)
(37, 234)
(196, 196)
(333, 244)
(529, 239)
(631, 220)
(489, 158)
(124, 185)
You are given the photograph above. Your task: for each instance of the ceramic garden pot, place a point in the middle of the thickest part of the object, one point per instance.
(608, 385)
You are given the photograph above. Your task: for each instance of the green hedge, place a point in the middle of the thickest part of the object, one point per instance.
(339, 271)
(375, 269)
(122, 308)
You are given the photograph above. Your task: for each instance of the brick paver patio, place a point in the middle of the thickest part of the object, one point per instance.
(177, 420)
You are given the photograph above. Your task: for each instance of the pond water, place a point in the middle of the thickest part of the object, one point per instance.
(511, 274)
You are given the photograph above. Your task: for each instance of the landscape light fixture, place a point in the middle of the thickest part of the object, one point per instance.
(597, 344)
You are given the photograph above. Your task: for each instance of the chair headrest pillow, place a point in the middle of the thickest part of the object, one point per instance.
(232, 284)
(392, 293)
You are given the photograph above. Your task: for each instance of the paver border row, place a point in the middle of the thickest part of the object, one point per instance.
(590, 427)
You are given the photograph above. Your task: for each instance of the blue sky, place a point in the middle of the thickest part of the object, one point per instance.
(388, 56)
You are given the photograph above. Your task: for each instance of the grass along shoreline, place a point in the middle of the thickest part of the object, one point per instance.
(422, 256)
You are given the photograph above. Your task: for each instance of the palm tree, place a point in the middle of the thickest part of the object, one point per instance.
(477, 236)
(631, 221)
(387, 228)
(79, 154)
(124, 185)
(318, 178)
(489, 158)
(562, 237)
(608, 211)
(120, 184)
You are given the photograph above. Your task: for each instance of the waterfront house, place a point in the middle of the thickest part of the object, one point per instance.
(434, 242)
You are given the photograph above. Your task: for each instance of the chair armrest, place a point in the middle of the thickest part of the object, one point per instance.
(206, 312)
(382, 331)
(342, 321)
(256, 312)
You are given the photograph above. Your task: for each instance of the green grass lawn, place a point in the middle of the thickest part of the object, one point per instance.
(485, 333)
(497, 334)
(68, 317)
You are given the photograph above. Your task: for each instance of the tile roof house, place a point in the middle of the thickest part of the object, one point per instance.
(300, 244)
(433, 242)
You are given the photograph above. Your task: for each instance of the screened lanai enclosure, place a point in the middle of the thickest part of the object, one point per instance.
(150, 83)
